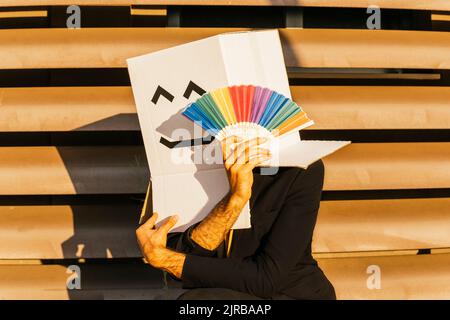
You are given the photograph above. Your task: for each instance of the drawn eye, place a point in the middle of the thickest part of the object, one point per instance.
(161, 92)
(193, 87)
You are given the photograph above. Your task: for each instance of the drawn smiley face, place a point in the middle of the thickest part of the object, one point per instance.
(191, 88)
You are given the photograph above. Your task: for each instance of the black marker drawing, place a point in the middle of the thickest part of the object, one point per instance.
(186, 143)
(160, 91)
(193, 87)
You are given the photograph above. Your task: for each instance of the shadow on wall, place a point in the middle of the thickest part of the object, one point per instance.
(104, 224)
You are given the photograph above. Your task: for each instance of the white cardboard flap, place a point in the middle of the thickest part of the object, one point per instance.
(305, 152)
(165, 82)
(192, 198)
(255, 58)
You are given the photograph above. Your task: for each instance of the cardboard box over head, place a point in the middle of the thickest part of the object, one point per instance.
(186, 177)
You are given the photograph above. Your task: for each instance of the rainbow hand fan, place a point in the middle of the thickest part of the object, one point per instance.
(246, 111)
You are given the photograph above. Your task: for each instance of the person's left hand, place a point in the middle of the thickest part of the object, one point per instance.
(153, 241)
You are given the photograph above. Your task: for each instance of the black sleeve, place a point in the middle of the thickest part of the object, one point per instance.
(182, 242)
(289, 237)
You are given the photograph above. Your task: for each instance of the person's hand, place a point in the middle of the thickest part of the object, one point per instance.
(153, 241)
(240, 158)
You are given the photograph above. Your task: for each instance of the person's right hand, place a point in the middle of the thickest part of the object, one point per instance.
(240, 158)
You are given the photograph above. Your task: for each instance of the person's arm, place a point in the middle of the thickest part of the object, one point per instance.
(240, 158)
(262, 274)
(153, 241)
(239, 161)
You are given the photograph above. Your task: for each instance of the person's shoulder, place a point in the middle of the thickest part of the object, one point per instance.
(311, 176)
(276, 173)
(315, 169)
(289, 175)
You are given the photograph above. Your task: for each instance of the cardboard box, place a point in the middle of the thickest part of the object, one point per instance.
(183, 180)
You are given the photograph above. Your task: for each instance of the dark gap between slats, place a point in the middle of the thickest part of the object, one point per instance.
(120, 77)
(134, 138)
(98, 138)
(107, 17)
(64, 77)
(243, 17)
(91, 17)
(385, 194)
(96, 261)
(71, 138)
(312, 17)
(355, 18)
(24, 22)
(441, 26)
(83, 199)
(379, 136)
(137, 199)
(137, 261)
(334, 77)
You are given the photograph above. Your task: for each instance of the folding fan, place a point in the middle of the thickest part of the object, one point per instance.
(246, 111)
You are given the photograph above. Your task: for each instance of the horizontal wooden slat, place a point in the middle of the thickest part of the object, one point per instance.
(112, 108)
(95, 294)
(62, 231)
(389, 4)
(381, 225)
(72, 170)
(66, 109)
(97, 48)
(402, 277)
(108, 231)
(375, 107)
(440, 17)
(23, 14)
(81, 170)
(363, 166)
(97, 282)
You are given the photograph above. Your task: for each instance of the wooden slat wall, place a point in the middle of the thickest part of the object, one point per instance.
(67, 108)
(388, 4)
(77, 231)
(100, 281)
(389, 166)
(73, 170)
(404, 277)
(107, 231)
(110, 170)
(61, 203)
(375, 107)
(110, 47)
(382, 225)
(113, 109)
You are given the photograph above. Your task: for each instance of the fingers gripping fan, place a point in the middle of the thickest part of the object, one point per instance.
(246, 111)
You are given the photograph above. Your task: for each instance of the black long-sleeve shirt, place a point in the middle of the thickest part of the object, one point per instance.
(273, 257)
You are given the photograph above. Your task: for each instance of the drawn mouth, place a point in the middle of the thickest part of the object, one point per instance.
(186, 143)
